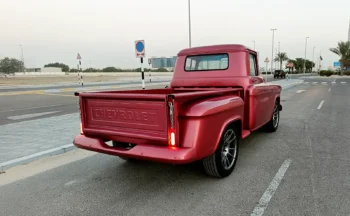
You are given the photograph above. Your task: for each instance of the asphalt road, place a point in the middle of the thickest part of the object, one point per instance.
(155, 80)
(31, 88)
(313, 137)
(24, 106)
(21, 107)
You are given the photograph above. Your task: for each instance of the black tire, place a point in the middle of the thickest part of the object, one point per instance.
(123, 145)
(272, 125)
(214, 164)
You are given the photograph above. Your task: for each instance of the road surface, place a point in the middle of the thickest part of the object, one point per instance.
(302, 169)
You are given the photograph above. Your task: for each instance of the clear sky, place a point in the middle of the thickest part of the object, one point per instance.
(104, 31)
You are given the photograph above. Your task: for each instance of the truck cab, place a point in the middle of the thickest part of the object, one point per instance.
(215, 99)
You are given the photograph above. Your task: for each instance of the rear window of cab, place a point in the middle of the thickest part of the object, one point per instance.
(206, 62)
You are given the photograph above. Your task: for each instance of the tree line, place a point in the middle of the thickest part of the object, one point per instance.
(297, 64)
(12, 65)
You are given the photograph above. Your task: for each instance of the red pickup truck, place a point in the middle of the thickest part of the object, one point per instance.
(216, 98)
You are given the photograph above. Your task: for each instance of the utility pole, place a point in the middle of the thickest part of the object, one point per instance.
(304, 69)
(273, 41)
(189, 23)
(254, 44)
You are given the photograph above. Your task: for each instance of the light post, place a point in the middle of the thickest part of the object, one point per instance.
(279, 44)
(22, 57)
(313, 53)
(254, 44)
(273, 38)
(274, 60)
(189, 23)
(305, 54)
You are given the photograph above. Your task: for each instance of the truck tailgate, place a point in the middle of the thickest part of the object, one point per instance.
(127, 117)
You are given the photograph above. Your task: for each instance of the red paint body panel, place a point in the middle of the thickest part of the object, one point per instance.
(204, 103)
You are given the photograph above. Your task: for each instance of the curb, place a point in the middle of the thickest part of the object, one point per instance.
(35, 156)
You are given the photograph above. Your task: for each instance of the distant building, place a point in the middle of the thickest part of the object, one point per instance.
(44, 69)
(163, 62)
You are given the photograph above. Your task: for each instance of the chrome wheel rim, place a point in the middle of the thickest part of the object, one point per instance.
(275, 117)
(229, 149)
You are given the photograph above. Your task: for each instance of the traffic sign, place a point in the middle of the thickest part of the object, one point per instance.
(78, 57)
(140, 48)
(290, 65)
(336, 64)
(267, 60)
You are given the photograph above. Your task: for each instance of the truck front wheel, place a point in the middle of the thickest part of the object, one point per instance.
(222, 162)
(272, 125)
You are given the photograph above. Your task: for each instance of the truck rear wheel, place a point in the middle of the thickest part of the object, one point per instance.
(222, 162)
(272, 125)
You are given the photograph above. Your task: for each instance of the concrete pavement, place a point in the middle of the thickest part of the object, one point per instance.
(317, 181)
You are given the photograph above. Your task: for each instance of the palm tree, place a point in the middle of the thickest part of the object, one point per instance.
(343, 51)
(281, 57)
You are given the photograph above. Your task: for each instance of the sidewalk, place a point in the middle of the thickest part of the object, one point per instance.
(50, 136)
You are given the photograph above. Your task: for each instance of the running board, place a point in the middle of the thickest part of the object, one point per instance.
(245, 133)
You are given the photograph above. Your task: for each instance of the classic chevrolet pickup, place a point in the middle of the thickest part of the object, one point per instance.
(216, 98)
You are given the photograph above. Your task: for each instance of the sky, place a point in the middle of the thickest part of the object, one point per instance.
(104, 31)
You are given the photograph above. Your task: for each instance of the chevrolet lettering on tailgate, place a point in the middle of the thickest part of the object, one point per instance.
(121, 115)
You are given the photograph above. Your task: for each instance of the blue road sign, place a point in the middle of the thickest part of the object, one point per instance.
(336, 64)
(139, 46)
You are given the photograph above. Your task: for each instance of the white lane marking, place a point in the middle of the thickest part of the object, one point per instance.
(343, 82)
(329, 89)
(70, 183)
(314, 82)
(324, 82)
(333, 81)
(19, 117)
(319, 106)
(31, 108)
(306, 82)
(300, 91)
(266, 197)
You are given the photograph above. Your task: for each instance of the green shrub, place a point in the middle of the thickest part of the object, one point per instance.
(347, 73)
(326, 73)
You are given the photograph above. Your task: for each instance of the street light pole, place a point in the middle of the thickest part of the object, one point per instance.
(22, 57)
(254, 44)
(279, 44)
(305, 54)
(313, 53)
(189, 23)
(273, 41)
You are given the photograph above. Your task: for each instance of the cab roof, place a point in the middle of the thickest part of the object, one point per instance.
(213, 49)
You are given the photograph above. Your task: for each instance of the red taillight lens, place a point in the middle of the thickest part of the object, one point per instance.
(81, 128)
(171, 122)
(172, 139)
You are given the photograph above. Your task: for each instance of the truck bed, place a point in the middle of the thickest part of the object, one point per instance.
(138, 116)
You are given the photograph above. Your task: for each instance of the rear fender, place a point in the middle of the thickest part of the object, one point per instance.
(205, 121)
(235, 121)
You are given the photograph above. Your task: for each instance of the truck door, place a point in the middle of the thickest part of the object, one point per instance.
(259, 96)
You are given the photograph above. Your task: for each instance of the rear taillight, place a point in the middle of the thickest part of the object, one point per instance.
(81, 121)
(171, 122)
